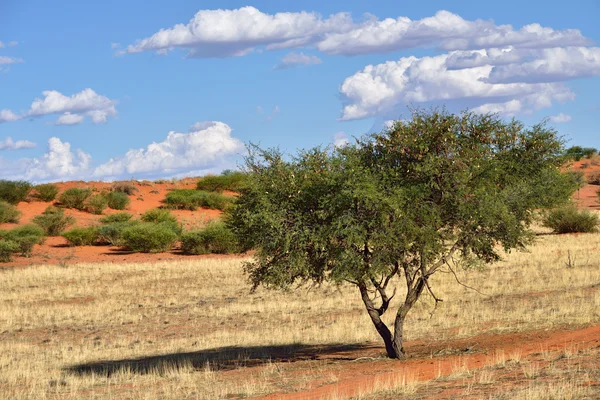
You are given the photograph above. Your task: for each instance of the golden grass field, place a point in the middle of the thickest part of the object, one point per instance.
(191, 329)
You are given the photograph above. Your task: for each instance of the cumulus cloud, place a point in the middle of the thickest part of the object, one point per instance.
(10, 144)
(560, 118)
(74, 108)
(206, 145)
(225, 33)
(340, 139)
(292, 60)
(8, 116)
(69, 119)
(9, 60)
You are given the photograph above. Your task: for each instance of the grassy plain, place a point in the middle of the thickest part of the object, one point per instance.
(191, 329)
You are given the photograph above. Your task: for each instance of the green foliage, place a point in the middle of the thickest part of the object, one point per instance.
(118, 217)
(589, 152)
(53, 220)
(568, 219)
(228, 180)
(96, 204)
(149, 237)
(7, 248)
(398, 204)
(9, 213)
(112, 233)
(75, 198)
(25, 237)
(117, 200)
(214, 238)
(576, 153)
(45, 192)
(190, 199)
(14, 192)
(124, 187)
(81, 236)
(158, 215)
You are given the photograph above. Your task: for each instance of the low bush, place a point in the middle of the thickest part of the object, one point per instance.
(54, 221)
(25, 237)
(117, 200)
(190, 199)
(214, 238)
(158, 215)
(112, 233)
(228, 180)
(594, 178)
(118, 217)
(7, 248)
(124, 187)
(14, 192)
(81, 236)
(568, 219)
(9, 213)
(45, 192)
(150, 237)
(75, 198)
(96, 204)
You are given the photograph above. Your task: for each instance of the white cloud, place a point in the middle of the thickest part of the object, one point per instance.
(9, 60)
(8, 116)
(292, 60)
(380, 90)
(560, 118)
(200, 149)
(86, 103)
(340, 139)
(225, 33)
(10, 144)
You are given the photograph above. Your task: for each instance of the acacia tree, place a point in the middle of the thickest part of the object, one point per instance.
(403, 203)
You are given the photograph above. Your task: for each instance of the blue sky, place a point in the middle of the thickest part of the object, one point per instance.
(146, 89)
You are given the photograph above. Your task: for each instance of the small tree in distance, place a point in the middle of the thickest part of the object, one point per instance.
(401, 204)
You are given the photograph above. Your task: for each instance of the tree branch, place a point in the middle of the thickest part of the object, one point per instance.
(462, 284)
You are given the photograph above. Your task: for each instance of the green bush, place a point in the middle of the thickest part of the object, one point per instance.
(112, 233)
(150, 237)
(190, 199)
(7, 247)
(215, 238)
(589, 152)
(14, 192)
(75, 198)
(9, 213)
(25, 237)
(124, 187)
(158, 215)
(96, 204)
(117, 200)
(81, 236)
(568, 219)
(228, 180)
(54, 221)
(45, 192)
(118, 217)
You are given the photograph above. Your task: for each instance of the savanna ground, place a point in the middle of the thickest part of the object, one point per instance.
(191, 329)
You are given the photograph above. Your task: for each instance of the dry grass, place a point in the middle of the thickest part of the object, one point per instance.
(209, 332)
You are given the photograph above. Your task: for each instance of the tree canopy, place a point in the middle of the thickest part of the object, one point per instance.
(398, 204)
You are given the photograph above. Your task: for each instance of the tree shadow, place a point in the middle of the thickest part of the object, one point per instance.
(222, 358)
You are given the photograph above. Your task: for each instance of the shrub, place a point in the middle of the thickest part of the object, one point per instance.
(25, 237)
(112, 233)
(589, 152)
(118, 217)
(158, 215)
(189, 199)
(75, 198)
(45, 192)
(215, 238)
(81, 236)
(124, 187)
(96, 204)
(54, 221)
(9, 213)
(568, 219)
(14, 192)
(228, 180)
(594, 178)
(149, 237)
(7, 247)
(117, 200)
